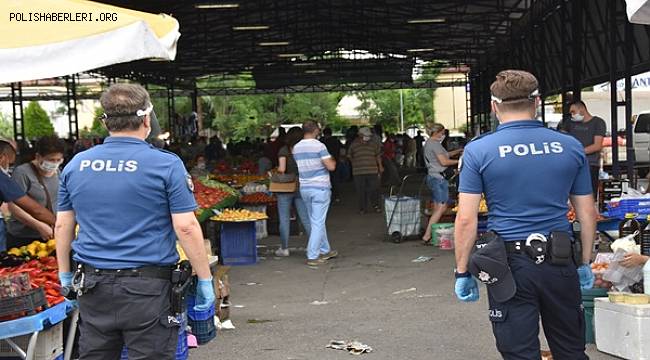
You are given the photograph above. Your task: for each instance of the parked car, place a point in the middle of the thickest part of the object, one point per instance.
(641, 141)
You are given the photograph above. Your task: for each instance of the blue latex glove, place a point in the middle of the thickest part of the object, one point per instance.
(204, 295)
(586, 277)
(467, 289)
(66, 279)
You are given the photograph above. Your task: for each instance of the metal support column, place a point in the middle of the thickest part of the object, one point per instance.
(171, 112)
(481, 101)
(468, 102)
(577, 47)
(17, 107)
(473, 97)
(613, 46)
(540, 64)
(628, 47)
(71, 99)
(565, 63)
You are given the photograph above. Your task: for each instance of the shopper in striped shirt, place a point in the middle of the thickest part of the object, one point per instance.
(314, 165)
(367, 167)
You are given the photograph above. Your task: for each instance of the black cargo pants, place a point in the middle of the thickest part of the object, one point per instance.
(549, 291)
(135, 311)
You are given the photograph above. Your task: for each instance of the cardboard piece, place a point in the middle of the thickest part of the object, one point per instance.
(282, 187)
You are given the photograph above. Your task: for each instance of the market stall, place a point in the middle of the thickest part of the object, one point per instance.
(233, 211)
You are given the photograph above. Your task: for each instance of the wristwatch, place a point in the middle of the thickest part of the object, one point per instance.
(458, 275)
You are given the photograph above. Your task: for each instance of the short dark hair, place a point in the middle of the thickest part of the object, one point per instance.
(327, 131)
(579, 103)
(49, 145)
(120, 103)
(294, 135)
(310, 126)
(6, 148)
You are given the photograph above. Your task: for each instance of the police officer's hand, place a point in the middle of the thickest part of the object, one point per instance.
(66, 279)
(204, 295)
(467, 289)
(586, 277)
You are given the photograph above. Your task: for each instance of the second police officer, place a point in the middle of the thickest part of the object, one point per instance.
(131, 201)
(528, 174)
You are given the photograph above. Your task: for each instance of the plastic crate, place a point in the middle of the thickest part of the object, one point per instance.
(49, 344)
(588, 297)
(618, 209)
(238, 243)
(261, 230)
(29, 303)
(201, 322)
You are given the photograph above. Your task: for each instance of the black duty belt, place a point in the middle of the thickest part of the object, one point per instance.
(516, 247)
(156, 272)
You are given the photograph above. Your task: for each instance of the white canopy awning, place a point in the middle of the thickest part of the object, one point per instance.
(50, 38)
(638, 11)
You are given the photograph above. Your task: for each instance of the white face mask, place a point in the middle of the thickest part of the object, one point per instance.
(200, 165)
(577, 118)
(5, 170)
(366, 138)
(443, 138)
(49, 166)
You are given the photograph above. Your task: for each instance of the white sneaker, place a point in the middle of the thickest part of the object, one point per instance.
(282, 252)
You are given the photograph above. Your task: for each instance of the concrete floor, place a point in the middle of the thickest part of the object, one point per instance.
(374, 294)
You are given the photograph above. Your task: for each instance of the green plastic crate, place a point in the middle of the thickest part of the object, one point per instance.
(588, 297)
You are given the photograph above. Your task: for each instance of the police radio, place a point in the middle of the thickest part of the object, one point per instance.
(181, 280)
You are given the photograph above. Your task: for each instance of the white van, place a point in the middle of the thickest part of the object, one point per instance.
(641, 138)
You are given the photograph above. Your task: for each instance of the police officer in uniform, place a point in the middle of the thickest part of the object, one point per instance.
(528, 174)
(131, 201)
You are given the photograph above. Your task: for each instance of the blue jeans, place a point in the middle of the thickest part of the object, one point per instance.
(439, 189)
(284, 213)
(317, 202)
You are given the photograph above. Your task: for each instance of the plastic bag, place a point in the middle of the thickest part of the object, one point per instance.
(622, 277)
(626, 244)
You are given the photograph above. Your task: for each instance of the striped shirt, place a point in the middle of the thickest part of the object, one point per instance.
(309, 155)
(364, 157)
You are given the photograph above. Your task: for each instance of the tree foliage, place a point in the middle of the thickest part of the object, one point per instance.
(237, 117)
(383, 106)
(37, 122)
(6, 127)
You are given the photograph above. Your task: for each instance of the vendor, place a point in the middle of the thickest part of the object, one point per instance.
(634, 260)
(200, 168)
(11, 192)
(38, 178)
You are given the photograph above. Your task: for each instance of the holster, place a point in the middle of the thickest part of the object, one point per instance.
(181, 280)
(576, 245)
(560, 248)
(486, 238)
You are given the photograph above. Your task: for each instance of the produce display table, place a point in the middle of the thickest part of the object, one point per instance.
(34, 324)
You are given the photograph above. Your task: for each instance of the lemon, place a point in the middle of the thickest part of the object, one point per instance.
(42, 254)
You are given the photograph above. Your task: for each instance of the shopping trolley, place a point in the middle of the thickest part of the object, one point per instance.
(402, 212)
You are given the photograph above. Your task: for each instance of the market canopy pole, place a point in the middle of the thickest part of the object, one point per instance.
(52, 38)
